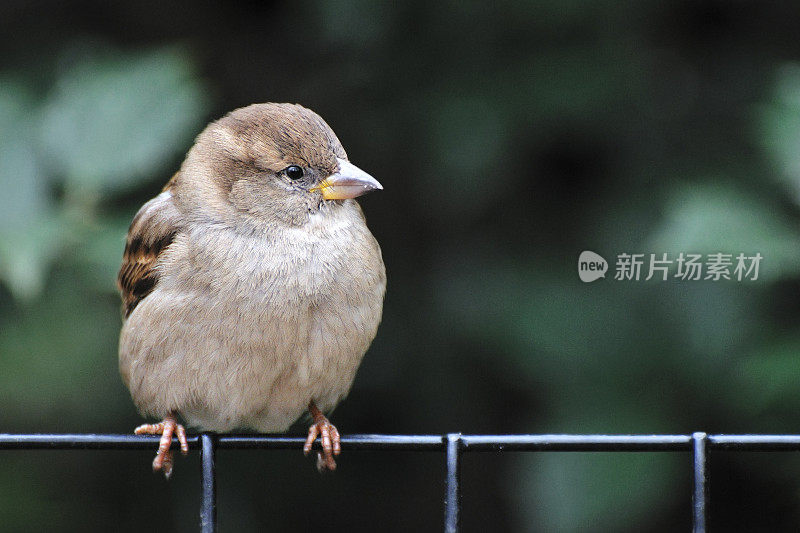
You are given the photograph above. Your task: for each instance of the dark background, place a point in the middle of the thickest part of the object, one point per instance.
(509, 137)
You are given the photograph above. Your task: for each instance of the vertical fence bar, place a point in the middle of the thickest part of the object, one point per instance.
(452, 499)
(700, 495)
(208, 509)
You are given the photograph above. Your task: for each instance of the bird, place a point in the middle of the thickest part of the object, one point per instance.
(251, 285)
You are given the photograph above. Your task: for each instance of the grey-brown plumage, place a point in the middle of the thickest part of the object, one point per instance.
(251, 289)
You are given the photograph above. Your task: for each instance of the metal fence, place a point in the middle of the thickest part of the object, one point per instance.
(453, 445)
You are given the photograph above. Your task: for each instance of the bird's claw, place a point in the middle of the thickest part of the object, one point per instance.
(329, 439)
(166, 428)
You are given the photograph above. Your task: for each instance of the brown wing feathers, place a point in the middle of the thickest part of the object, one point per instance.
(153, 229)
(137, 276)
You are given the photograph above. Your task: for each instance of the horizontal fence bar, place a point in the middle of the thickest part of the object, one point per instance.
(569, 443)
(479, 443)
(224, 441)
(763, 443)
(350, 442)
(39, 441)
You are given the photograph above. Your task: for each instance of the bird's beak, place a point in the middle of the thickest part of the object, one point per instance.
(349, 182)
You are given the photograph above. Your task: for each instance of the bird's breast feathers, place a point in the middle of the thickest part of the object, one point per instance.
(248, 320)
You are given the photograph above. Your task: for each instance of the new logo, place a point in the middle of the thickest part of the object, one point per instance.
(591, 266)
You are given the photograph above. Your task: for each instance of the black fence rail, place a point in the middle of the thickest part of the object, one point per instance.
(454, 445)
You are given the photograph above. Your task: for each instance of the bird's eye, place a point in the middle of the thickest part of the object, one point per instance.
(294, 172)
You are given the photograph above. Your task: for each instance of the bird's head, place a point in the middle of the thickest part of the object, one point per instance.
(270, 162)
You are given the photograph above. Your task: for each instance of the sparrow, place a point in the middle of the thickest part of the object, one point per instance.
(251, 285)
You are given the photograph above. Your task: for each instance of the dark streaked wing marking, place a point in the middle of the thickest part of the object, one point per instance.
(152, 231)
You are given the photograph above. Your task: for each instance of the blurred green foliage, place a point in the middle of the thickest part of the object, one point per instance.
(509, 139)
(62, 142)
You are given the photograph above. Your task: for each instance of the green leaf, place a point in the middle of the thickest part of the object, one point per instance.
(717, 218)
(111, 121)
(778, 126)
(114, 119)
(30, 233)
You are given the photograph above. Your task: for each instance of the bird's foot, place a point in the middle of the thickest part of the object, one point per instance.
(166, 428)
(329, 437)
